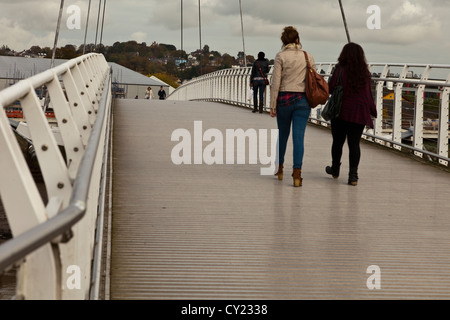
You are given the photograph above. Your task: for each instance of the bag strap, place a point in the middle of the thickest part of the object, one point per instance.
(307, 60)
(261, 70)
(339, 81)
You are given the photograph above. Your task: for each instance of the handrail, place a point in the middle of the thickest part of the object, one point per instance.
(17, 248)
(49, 240)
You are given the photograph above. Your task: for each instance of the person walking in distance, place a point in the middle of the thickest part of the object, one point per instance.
(258, 82)
(288, 102)
(357, 109)
(162, 94)
(149, 94)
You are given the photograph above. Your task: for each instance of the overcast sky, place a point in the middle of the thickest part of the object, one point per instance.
(413, 31)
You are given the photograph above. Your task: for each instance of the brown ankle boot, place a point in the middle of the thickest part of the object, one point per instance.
(280, 172)
(297, 175)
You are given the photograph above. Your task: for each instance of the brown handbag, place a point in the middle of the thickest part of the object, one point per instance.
(316, 86)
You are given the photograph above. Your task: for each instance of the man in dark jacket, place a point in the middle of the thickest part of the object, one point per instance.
(258, 80)
(162, 94)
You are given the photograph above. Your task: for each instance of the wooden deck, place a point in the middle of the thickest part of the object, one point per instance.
(226, 232)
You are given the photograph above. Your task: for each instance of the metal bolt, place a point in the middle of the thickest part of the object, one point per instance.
(84, 127)
(44, 148)
(60, 185)
(82, 93)
(75, 104)
(76, 149)
(89, 112)
(64, 120)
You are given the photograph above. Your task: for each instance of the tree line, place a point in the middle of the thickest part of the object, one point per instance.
(164, 61)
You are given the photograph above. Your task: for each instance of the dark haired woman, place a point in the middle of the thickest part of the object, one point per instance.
(288, 100)
(258, 81)
(357, 108)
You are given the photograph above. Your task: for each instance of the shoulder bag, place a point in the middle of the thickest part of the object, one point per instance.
(316, 86)
(333, 106)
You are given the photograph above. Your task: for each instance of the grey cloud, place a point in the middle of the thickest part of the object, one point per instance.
(406, 24)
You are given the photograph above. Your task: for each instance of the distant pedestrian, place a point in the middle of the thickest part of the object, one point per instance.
(258, 81)
(162, 94)
(356, 110)
(149, 94)
(288, 101)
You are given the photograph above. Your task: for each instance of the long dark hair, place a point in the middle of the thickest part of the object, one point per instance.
(353, 59)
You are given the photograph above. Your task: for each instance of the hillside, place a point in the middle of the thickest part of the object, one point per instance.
(164, 61)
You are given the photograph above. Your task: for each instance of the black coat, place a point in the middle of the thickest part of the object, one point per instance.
(264, 64)
(162, 94)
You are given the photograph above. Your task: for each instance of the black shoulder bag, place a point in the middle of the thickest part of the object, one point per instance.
(333, 106)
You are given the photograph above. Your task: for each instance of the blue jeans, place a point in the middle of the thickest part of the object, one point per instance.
(258, 85)
(297, 114)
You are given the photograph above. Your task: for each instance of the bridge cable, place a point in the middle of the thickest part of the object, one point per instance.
(98, 20)
(242, 29)
(345, 21)
(103, 22)
(52, 63)
(87, 25)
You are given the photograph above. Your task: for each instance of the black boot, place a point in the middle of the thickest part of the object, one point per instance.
(333, 170)
(255, 105)
(353, 176)
(261, 107)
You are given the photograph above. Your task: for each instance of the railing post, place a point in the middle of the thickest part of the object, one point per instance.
(51, 162)
(78, 109)
(443, 135)
(379, 102)
(418, 114)
(25, 209)
(397, 112)
(70, 133)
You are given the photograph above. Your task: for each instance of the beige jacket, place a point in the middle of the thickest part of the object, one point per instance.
(289, 72)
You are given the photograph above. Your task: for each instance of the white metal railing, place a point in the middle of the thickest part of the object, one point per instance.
(391, 83)
(53, 243)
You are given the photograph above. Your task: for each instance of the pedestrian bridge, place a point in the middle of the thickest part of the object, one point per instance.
(162, 229)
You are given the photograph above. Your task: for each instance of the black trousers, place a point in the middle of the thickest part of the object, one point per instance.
(352, 132)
